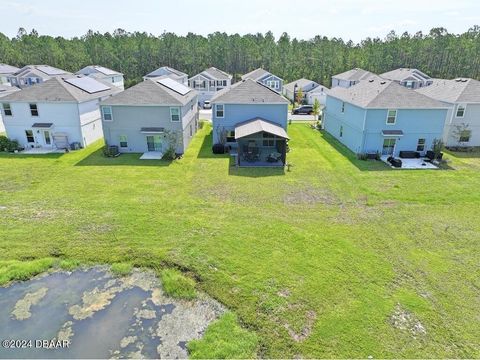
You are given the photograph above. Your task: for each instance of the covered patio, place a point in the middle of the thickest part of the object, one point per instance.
(260, 143)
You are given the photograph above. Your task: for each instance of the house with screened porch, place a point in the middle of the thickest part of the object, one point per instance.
(250, 119)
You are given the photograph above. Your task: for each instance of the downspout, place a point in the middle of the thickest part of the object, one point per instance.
(363, 130)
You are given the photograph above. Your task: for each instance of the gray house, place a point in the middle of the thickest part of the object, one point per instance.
(462, 127)
(251, 119)
(168, 72)
(103, 73)
(4, 91)
(311, 90)
(351, 77)
(266, 78)
(35, 74)
(151, 117)
(5, 72)
(208, 82)
(410, 78)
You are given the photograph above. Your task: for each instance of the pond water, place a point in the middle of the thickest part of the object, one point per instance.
(93, 314)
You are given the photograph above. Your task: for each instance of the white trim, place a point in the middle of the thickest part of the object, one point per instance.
(223, 110)
(464, 111)
(171, 115)
(388, 115)
(103, 113)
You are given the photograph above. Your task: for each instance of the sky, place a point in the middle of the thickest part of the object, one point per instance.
(348, 19)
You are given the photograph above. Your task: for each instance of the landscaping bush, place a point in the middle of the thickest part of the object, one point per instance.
(4, 142)
(177, 285)
(8, 145)
(169, 154)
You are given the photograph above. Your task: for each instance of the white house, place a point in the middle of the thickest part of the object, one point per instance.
(103, 73)
(208, 82)
(351, 77)
(462, 127)
(56, 113)
(35, 74)
(410, 78)
(168, 72)
(311, 90)
(266, 78)
(6, 71)
(4, 91)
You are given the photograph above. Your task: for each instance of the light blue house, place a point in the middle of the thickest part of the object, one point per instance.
(251, 119)
(266, 78)
(381, 116)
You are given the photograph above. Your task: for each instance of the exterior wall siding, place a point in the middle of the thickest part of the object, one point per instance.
(238, 113)
(471, 118)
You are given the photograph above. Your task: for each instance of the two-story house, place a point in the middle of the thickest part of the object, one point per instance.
(6, 71)
(35, 74)
(208, 82)
(351, 77)
(462, 128)
(151, 117)
(56, 113)
(4, 91)
(311, 90)
(410, 78)
(251, 119)
(381, 116)
(168, 72)
(103, 73)
(266, 78)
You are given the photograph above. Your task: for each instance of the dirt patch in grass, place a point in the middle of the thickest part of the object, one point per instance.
(305, 332)
(404, 320)
(310, 196)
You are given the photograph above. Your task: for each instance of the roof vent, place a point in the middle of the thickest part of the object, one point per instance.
(383, 82)
(371, 80)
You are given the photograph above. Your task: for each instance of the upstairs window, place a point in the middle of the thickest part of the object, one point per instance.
(33, 110)
(465, 136)
(107, 113)
(219, 110)
(460, 111)
(391, 117)
(273, 84)
(7, 110)
(341, 131)
(421, 145)
(175, 114)
(343, 107)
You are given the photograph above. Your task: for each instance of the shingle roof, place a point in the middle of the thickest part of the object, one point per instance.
(354, 75)
(248, 92)
(301, 83)
(455, 90)
(150, 92)
(6, 90)
(257, 125)
(39, 70)
(57, 89)
(256, 74)
(8, 69)
(165, 70)
(401, 74)
(217, 74)
(384, 94)
(98, 69)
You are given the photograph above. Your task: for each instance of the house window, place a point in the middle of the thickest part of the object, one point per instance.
(465, 136)
(199, 84)
(219, 110)
(273, 84)
(343, 107)
(7, 110)
(421, 145)
(123, 141)
(231, 136)
(268, 139)
(391, 117)
(341, 131)
(409, 84)
(175, 114)
(460, 111)
(107, 113)
(113, 79)
(191, 130)
(33, 110)
(30, 137)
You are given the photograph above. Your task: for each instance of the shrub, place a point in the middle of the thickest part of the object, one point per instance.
(169, 154)
(224, 339)
(177, 285)
(4, 143)
(121, 269)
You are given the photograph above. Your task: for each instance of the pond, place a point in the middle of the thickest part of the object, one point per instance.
(90, 313)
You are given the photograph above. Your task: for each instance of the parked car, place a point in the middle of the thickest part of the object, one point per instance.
(303, 110)
(207, 104)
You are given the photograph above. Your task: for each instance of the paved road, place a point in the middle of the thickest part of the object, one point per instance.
(207, 115)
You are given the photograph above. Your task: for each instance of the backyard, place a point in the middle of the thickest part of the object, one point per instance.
(337, 257)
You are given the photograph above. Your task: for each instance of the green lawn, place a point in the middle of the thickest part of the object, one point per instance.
(315, 261)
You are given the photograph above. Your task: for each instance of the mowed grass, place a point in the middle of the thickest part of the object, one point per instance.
(314, 261)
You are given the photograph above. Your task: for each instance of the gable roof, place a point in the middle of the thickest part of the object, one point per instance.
(249, 92)
(150, 92)
(402, 74)
(355, 74)
(43, 71)
(87, 70)
(256, 125)
(7, 89)
(256, 74)
(384, 94)
(166, 71)
(215, 73)
(456, 90)
(301, 83)
(57, 89)
(8, 69)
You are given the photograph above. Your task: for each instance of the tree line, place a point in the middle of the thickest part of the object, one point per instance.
(439, 53)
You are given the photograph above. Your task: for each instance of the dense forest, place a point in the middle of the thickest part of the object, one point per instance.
(438, 53)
